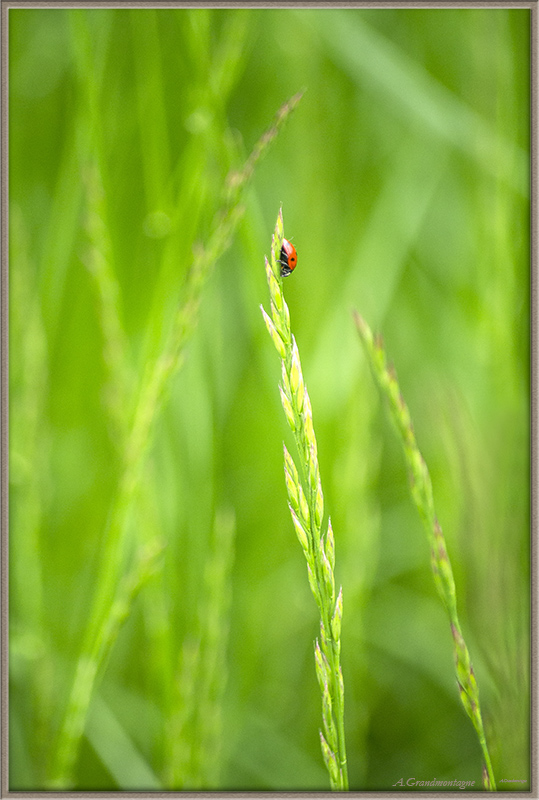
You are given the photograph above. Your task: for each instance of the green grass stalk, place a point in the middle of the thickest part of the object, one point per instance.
(151, 396)
(29, 431)
(422, 494)
(306, 504)
(195, 731)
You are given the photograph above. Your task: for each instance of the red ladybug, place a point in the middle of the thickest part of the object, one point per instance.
(288, 259)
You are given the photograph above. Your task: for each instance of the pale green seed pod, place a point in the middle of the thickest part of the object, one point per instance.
(323, 639)
(292, 490)
(278, 236)
(281, 320)
(303, 506)
(300, 531)
(340, 685)
(285, 381)
(268, 265)
(296, 377)
(275, 337)
(330, 761)
(327, 717)
(320, 662)
(279, 227)
(290, 466)
(286, 320)
(289, 413)
(319, 508)
(327, 572)
(337, 619)
(330, 545)
(466, 702)
(314, 475)
(308, 407)
(326, 752)
(275, 290)
(313, 583)
(300, 394)
(295, 370)
(276, 243)
(276, 316)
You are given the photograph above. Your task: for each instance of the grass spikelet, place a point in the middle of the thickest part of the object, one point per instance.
(307, 510)
(421, 487)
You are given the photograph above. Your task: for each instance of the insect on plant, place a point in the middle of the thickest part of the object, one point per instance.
(288, 258)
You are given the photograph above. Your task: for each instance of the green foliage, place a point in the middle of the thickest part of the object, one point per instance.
(143, 403)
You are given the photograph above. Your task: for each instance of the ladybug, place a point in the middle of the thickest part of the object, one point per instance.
(288, 259)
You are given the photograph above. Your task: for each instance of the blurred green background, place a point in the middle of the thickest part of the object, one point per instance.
(404, 179)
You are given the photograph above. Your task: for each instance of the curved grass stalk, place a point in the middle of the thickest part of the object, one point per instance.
(421, 487)
(306, 504)
(138, 440)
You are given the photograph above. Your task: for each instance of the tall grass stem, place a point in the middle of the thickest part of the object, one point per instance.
(306, 503)
(421, 487)
(138, 441)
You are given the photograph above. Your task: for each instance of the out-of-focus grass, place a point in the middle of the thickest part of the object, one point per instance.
(421, 490)
(403, 180)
